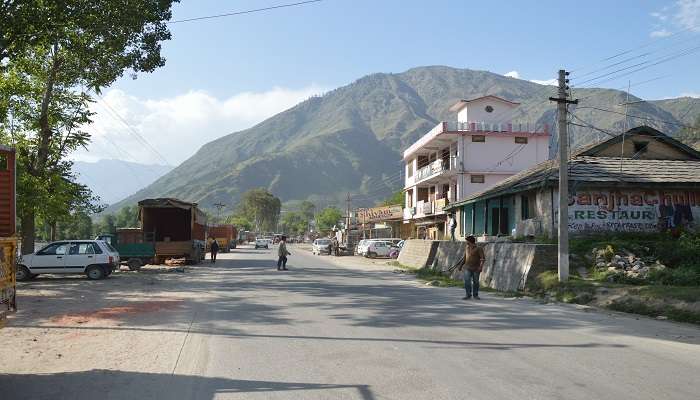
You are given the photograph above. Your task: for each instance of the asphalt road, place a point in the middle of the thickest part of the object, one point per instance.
(345, 329)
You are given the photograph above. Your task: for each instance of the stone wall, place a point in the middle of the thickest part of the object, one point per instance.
(508, 266)
(418, 253)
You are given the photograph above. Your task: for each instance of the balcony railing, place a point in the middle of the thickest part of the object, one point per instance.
(481, 126)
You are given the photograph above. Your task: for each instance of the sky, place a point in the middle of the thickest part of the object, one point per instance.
(226, 74)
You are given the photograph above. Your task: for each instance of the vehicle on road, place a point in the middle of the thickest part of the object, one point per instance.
(262, 244)
(134, 249)
(8, 241)
(396, 249)
(178, 229)
(224, 234)
(94, 258)
(379, 248)
(321, 246)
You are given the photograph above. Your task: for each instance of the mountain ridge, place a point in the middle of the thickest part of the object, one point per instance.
(351, 138)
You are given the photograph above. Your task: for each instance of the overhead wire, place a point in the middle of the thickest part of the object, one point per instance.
(232, 13)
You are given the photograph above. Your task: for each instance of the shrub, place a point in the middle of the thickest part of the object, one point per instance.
(685, 275)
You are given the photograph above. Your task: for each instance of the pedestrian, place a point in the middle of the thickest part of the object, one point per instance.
(214, 248)
(282, 254)
(473, 265)
(453, 226)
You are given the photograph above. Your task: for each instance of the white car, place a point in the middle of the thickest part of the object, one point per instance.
(379, 249)
(94, 258)
(262, 244)
(364, 244)
(321, 246)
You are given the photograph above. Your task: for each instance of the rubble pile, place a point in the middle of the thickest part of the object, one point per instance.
(624, 262)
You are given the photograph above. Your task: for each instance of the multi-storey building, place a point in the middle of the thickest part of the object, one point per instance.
(458, 158)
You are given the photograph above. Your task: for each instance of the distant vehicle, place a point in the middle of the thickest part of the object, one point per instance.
(133, 248)
(321, 246)
(379, 249)
(396, 250)
(364, 244)
(262, 244)
(95, 258)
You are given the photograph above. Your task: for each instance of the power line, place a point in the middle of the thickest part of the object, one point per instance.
(229, 14)
(637, 116)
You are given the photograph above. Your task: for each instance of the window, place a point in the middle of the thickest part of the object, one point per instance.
(520, 140)
(640, 147)
(479, 138)
(55, 249)
(410, 169)
(527, 207)
(477, 178)
(488, 109)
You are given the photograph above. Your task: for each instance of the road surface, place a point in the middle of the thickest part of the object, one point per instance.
(331, 329)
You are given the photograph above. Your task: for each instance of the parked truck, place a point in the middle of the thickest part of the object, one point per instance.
(225, 235)
(178, 228)
(8, 241)
(135, 248)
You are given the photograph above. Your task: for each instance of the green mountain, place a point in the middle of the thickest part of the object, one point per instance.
(351, 139)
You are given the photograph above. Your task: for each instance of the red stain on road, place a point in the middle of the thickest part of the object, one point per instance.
(117, 312)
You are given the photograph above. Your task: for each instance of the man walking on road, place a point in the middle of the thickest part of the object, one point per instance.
(473, 263)
(214, 250)
(282, 254)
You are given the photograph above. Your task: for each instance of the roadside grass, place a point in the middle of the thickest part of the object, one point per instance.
(429, 275)
(636, 306)
(683, 293)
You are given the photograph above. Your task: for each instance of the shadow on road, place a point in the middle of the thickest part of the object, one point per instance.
(107, 384)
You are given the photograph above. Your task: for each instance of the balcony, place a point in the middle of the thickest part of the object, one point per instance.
(432, 170)
(408, 213)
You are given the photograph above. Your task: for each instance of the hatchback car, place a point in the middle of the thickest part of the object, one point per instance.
(321, 246)
(379, 249)
(94, 258)
(262, 244)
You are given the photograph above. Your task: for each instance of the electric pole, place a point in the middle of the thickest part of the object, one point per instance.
(219, 207)
(563, 225)
(347, 214)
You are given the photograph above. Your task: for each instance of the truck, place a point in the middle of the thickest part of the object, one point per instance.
(178, 228)
(135, 248)
(8, 240)
(226, 236)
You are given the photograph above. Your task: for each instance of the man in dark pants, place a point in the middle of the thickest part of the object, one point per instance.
(214, 250)
(473, 265)
(282, 254)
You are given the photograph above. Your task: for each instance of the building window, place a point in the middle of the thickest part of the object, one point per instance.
(479, 138)
(410, 169)
(477, 178)
(640, 147)
(489, 109)
(520, 140)
(527, 207)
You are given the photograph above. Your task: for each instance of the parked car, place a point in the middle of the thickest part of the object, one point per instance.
(262, 244)
(364, 244)
(396, 249)
(379, 248)
(94, 258)
(321, 246)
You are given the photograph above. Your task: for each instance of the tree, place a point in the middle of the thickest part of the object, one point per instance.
(261, 208)
(240, 221)
(294, 223)
(107, 225)
(307, 209)
(52, 53)
(127, 217)
(396, 198)
(327, 218)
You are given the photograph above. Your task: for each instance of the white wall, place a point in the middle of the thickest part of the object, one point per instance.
(489, 180)
(500, 153)
(476, 111)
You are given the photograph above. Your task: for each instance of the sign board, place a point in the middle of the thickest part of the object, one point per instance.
(377, 214)
(633, 210)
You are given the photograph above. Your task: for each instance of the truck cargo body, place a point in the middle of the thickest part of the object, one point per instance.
(178, 228)
(225, 235)
(8, 241)
(135, 250)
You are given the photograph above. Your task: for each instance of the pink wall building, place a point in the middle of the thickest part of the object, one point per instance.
(458, 158)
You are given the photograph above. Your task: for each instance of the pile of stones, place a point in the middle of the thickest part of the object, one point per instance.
(625, 262)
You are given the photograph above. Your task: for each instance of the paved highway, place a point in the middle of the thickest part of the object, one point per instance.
(347, 329)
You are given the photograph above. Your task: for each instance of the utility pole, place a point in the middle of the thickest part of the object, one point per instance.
(563, 226)
(347, 214)
(219, 207)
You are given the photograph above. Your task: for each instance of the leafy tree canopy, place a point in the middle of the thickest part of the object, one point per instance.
(327, 218)
(261, 208)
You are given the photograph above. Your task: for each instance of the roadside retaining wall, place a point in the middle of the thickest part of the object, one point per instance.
(508, 266)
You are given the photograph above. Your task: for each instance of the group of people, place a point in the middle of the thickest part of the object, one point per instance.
(334, 247)
(282, 253)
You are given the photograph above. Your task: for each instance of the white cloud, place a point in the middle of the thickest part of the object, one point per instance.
(512, 74)
(683, 14)
(545, 82)
(688, 15)
(691, 94)
(180, 125)
(660, 33)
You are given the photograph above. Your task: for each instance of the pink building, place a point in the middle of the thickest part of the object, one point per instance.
(457, 158)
